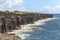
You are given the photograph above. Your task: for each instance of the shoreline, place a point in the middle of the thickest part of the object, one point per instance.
(14, 22)
(28, 27)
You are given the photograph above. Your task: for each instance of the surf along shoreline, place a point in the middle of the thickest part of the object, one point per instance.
(16, 20)
(28, 28)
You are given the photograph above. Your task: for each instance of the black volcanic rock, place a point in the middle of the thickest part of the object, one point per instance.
(11, 21)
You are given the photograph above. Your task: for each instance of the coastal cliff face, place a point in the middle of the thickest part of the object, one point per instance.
(12, 20)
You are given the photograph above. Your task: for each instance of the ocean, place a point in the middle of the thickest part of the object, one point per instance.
(46, 29)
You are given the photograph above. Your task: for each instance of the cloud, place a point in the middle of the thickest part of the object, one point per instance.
(47, 7)
(9, 4)
(55, 9)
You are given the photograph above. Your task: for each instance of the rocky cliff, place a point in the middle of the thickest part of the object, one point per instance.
(13, 20)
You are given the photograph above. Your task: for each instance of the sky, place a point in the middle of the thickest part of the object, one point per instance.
(46, 6)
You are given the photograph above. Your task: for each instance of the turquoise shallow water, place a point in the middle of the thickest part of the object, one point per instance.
(49, 31)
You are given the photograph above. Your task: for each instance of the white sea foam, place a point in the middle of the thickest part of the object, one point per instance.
(28, 28)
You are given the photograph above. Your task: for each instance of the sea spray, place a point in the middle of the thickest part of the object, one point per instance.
(29, 28)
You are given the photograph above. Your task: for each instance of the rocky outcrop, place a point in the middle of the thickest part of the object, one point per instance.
(11, 21)
(9, 37)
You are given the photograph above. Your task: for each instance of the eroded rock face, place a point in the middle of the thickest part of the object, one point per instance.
(9, 37)
(11, 21)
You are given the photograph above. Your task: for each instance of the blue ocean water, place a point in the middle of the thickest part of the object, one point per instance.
(44, 30)
(51, 30)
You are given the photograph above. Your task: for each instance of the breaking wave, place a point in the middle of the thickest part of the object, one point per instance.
(26, 30)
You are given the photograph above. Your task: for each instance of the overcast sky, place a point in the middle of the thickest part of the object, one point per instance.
(47, 6)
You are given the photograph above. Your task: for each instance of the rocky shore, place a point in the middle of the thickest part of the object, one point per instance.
(9, 37)
(10, 21)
